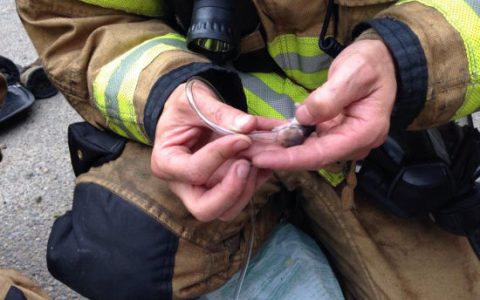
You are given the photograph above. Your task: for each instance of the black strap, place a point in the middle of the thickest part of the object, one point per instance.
(329, 45)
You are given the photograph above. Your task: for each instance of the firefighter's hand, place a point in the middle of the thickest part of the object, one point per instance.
(200, 167)
(351, 111)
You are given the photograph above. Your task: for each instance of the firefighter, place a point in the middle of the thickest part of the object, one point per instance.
(159, 208)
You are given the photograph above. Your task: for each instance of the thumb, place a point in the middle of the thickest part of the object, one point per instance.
(209, 104)
(350, 79)
(321, 105)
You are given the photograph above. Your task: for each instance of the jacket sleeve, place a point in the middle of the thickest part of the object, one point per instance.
(116, 66)
(436, 48)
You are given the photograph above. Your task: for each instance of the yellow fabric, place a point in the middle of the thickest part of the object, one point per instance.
(283, 86)
(310, 81)
(333, 178)
(99, 87)
(273, 86)
(289, 51)
(127, 90)
(256, 106)
(114, 87)
(305, 46)
(465, 19)
(152, 8)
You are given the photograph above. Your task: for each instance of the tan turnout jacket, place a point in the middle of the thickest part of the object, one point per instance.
(378, 256)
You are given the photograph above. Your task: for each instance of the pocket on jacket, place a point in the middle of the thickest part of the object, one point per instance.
(91, 147)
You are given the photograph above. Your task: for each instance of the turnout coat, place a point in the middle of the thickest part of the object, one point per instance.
(128, 236)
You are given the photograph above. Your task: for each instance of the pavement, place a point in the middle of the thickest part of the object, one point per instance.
(36, 181)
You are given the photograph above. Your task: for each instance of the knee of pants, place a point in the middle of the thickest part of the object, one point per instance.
(107, 248)
(15, 294)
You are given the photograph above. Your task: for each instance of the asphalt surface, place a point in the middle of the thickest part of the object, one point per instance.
(36, 181)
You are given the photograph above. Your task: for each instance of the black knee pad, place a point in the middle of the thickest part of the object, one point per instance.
(107, 248)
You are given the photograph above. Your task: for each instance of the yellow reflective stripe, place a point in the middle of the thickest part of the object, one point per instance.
(152, 8)
(116, 128)
(464, 17)
(283, 86)
(114, 87)
(301, 59)
(290, 43)
(308, 80)
(269, 94)
(127, 91)
(274, 87)
(472, 101)
(256, 106)
(99, 86)
(173, 36)
(333, 178)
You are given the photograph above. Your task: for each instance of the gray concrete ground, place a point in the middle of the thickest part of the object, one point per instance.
(36, 180)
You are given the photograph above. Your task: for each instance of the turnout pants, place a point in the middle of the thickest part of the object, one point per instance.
(129, 237)
(15, 286)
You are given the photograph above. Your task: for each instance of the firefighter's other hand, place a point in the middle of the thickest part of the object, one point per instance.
(202, 168)
(351, 111)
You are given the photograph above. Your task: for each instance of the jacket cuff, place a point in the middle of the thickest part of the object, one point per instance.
(410, 66)
(226, 82)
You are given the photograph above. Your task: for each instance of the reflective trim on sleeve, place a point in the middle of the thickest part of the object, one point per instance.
(301, 59)
(152, 8)
(464, 16)
(333, 178)
(270, 95)
(114, 87)
(99, 87)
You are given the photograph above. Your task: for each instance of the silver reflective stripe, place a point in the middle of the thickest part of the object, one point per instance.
(475, 5)
(282, 103)
(175, 43)
(307, 64)
(115, 82)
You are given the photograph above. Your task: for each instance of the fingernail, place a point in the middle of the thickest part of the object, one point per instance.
(303, 115)
(241, 121)
(243, 170)
(241, 144)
